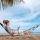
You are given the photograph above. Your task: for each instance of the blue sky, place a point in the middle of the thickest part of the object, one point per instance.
(25, 15)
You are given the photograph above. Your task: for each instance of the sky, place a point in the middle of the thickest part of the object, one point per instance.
(25, 14)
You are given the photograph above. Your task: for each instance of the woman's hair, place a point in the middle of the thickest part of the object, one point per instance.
(5, 22)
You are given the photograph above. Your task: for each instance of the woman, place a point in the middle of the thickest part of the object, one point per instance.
(5, 26)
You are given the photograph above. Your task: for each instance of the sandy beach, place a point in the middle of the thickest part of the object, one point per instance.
(8, 37)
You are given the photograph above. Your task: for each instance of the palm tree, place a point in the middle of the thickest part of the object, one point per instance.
(6, 3)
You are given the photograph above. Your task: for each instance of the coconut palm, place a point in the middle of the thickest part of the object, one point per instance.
(7, 3)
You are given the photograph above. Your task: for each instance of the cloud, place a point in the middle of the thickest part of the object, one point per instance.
(24, 11)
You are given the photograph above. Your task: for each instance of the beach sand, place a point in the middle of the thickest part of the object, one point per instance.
(9, 37)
